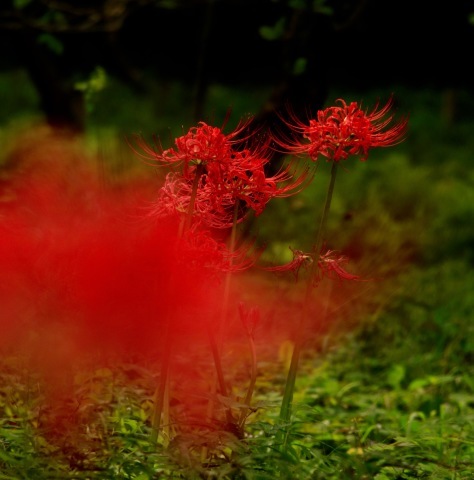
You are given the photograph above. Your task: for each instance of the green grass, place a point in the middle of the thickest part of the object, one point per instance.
(385, 391)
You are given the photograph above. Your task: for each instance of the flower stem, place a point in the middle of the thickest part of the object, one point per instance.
(286, 405)
(322, 226)
(186, 224)
(253, 380)
(216, 340)
(160, 394)
(161, 406)
(228, 277)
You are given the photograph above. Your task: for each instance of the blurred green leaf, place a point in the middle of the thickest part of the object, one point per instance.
(19, 4)
(52, 42)
(96, 82)
(297, 4)
(299, 66)
(319, 6)
(273, 32)
(396, 375)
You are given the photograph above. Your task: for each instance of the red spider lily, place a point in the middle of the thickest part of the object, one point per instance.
(246, 185)
(214, 205)
(173, 197)
(342, 131)
(329, 265)
(202, 144)
(246, 181)
(199, 251)
(210, 209)
(300, 259)
(236, 182)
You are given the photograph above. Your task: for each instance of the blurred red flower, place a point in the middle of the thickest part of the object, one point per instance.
(330, 265)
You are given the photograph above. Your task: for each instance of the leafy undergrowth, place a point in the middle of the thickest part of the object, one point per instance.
(393, 399)
(358, 414)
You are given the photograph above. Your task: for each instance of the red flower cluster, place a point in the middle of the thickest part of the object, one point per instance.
(342, 131)
(220, 173)
(200, 252)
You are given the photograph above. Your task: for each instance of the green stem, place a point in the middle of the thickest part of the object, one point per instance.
(161, 390)
(322, 226)
(184, 227)
(286, 405)
(220, 373)
(253, 380)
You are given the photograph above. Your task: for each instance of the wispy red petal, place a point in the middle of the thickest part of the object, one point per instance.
(300, 260)
(330, 265)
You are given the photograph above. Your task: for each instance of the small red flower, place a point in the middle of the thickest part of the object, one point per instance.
(300, 260)
(329, 265)
(341, 131)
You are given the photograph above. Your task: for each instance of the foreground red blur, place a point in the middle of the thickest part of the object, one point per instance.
(84, 274)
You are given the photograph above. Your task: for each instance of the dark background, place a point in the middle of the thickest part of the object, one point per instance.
(360, 44)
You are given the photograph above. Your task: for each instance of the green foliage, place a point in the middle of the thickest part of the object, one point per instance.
(96, 82)
(275, 31)
(19, 4)
(52, 42)
(19, 99)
